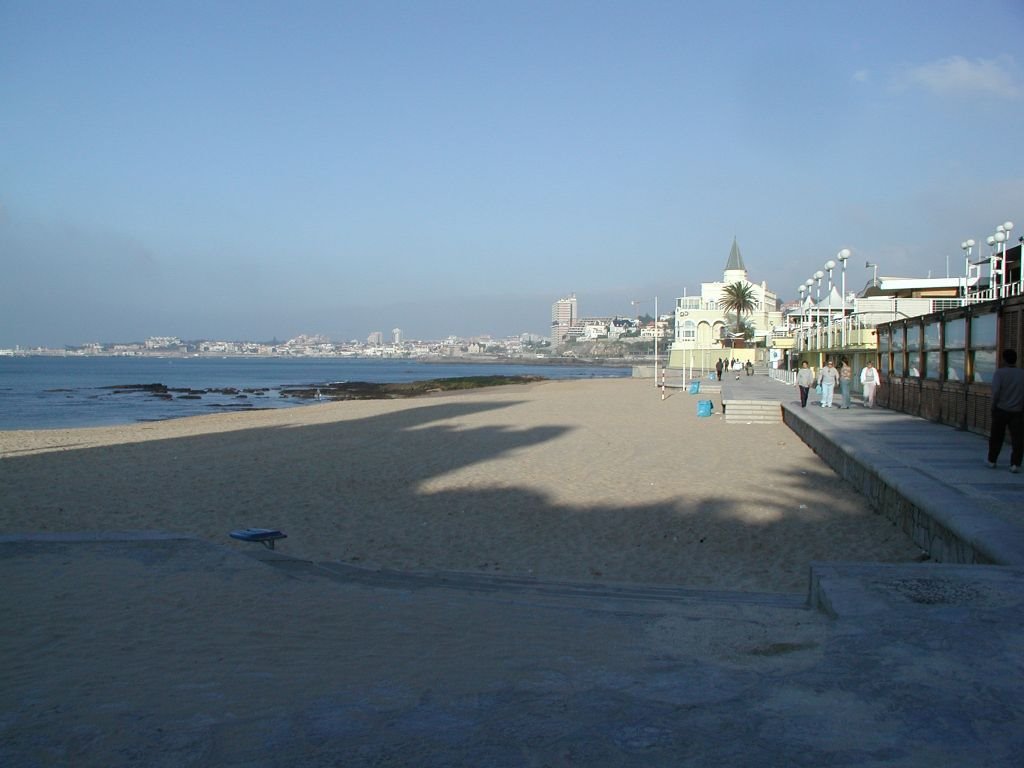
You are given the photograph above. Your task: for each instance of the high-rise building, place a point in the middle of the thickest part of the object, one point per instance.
(563, 314)
(375, 339)
(396, 334)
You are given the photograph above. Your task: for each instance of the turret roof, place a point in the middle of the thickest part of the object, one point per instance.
(735, 261)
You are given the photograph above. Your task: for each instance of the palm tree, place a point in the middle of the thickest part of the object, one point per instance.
(740, 299)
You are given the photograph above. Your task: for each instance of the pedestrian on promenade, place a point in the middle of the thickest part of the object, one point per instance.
(828, 379)
(870, 381)
(718, 368)
(845, 380)
(804, 380)
(750, 368)
(1007, 411)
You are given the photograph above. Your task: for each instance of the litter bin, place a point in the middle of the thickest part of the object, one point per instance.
(704, 407)
(694, 387)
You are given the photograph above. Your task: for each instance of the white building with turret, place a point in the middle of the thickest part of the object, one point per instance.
(702, 326)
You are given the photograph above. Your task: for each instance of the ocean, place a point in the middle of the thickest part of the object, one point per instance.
(66, 392)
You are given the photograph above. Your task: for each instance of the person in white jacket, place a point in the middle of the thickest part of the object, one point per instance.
(870, 380)
(828, 378)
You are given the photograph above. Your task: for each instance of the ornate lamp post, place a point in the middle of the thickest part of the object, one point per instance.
(809, 282)
(996, 265)
(801, 289)
(817, 326)
(1005, 228)
(830, 265)
(843, 255)
(967, 246)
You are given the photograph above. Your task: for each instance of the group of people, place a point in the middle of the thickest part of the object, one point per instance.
(733, 365)
(830, 377)
(1007, 399)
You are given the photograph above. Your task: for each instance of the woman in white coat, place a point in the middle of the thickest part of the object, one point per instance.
(870, 380)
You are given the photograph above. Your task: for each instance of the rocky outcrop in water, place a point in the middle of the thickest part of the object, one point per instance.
(364, 390)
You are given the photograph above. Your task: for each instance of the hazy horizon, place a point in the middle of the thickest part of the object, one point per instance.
(252, 170)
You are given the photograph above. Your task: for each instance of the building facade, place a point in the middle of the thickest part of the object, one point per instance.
(702, 327)
(563, 317)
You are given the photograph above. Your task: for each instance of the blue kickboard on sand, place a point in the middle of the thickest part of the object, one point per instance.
(705, 407)
(265, 536)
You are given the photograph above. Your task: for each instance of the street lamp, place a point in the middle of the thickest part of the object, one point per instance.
(967, 246)
(809, 282)
(830, 265)
(843, 255)
(1004, 229)
(817, 325)
(997, 258)
(801, 288)
(874, 280)
(636, 303)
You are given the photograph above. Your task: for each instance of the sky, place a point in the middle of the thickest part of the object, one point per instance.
(258, 170)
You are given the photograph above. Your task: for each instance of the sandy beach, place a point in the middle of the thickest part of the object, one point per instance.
(579, 480)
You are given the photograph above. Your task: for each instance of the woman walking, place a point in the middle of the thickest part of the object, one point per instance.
(845, 380)
(870, 380)
(804, 380)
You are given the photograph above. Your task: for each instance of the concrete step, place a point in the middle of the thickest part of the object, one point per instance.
(753, 411)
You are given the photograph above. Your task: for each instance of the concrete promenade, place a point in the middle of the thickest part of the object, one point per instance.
(914, 666)
(929, 478)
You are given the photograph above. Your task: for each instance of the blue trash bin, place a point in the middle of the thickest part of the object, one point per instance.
(704, 407)
(694, 387)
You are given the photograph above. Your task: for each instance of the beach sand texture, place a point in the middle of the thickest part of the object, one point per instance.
(596, 480)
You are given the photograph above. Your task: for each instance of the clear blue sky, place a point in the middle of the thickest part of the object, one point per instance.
(256, 169)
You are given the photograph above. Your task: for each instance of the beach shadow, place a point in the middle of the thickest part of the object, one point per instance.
(370, 492)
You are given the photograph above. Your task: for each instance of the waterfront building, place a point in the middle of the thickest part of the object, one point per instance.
(702, 327)
(563, 317)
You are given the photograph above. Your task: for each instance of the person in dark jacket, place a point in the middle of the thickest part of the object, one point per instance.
(1007, 411)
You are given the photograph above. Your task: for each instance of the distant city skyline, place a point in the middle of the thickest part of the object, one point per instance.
(210, 170)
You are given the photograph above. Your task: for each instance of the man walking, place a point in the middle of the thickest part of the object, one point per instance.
(1007, 411)
(828, 378)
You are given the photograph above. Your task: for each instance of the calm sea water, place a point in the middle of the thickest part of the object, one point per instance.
(62, 392)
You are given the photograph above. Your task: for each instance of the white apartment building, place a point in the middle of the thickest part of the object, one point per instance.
(563, 316)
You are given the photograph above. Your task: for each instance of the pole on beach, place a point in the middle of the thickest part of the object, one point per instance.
(656, 346)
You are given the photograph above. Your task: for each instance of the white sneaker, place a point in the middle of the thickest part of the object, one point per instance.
(1014, 468)
(992, 465)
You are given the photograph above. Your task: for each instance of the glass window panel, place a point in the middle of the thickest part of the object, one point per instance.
(954, 366)
(914, 365)
(956, 331)
(983, 330)
(931, 336)
(984, 364)
(933, 365)
(885, 364)
(883, 340)
(897, 364)
(913, 337)
(897, 339)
